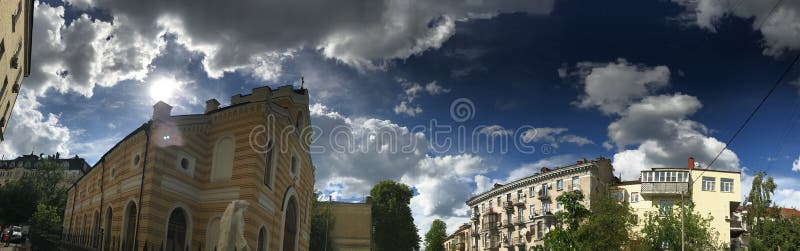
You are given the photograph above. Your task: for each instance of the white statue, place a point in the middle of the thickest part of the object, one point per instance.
(231, 228)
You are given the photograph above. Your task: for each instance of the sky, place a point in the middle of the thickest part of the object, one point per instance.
(447, 96)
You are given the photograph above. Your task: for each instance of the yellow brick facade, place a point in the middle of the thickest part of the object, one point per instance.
(177, 172)
(15, 53)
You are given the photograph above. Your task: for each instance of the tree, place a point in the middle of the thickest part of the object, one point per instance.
(18, 200)
(39, 197)
(769, 230)
(322, 222)
(663, 230)
(434, 239)
(606, 211)
(394, 225)
(574, 213)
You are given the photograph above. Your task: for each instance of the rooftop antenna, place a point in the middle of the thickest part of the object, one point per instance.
(302, 82)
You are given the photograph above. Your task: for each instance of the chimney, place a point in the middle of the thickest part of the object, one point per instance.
(691, 163)
(211, 104)
(161, 110)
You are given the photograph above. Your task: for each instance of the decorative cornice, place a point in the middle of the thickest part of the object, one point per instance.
(533, 179)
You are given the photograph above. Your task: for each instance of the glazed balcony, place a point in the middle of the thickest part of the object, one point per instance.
(665, 183)
(543, 195)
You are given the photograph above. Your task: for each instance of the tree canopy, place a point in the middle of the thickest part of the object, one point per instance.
(578, 228)
(663, 230)
(322, 222)
(394, 225)
(434, 239)
(769, 230)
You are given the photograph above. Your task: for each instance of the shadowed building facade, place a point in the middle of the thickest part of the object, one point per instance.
(352, 228)
(16, 31)
(16, 169)
(166, 184)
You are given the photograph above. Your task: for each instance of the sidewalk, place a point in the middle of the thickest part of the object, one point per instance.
(25, 246)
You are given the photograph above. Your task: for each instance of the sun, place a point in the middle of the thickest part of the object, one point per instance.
(162, 89)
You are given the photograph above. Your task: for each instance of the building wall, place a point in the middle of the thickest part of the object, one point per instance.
(352, 229)
(14, 43)
(715, 203)
(594, 178)
(164, 143)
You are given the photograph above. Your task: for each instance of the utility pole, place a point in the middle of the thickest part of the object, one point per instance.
(683, 236)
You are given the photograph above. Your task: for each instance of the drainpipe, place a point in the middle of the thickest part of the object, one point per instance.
(141, 187)
(102, 194)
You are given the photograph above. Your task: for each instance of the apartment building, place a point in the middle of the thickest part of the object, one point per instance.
(517, 215)
(352, 225)
(458, 241)
(16, 31)
(715, 193)
(166, 184)
(17, 168)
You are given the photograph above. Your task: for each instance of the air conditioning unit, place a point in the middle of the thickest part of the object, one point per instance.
(727, 218)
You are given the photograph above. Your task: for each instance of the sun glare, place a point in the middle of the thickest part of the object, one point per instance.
(162, 89)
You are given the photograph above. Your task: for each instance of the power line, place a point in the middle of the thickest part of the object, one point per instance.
(774, 6)
(753, 113)
(789, 127)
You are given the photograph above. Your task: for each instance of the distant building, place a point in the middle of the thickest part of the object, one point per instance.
(517, 215)
(166, 184)
(15, 169)
(714, 192)
(352, 229)
(16, 28)
(458, 240)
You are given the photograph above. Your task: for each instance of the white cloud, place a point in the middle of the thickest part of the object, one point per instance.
(553, 135)
(365, 35)
(611, 87)
(382, 150)
(780, 28)
(656, 125)
(411, 91)
(496, 130)
(86, 52)
(575, 139)
(796, 164)
(29, 130)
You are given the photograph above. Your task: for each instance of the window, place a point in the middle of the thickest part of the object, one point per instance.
(620, 196)
(560, 185)
(539, 230)
(664, 207)
(483, 207)
(545, 207)
(635, 219)
(136, 160)
(532, 191)
(558, 206)
(269, 164)
(634, 197)
(544, 190)
(262, 240)
(499, 202)
(184, 163)
(491, 204)
(222, 162)
(295, 163)
(533, 210)
(508, 197)
(709, 183)
(726, 185)
(575, 182)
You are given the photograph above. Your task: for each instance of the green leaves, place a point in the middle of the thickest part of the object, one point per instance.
(768, 228)
(394, 225)
(665, 231)
(434, 239)
(322, 222)
(606, 227)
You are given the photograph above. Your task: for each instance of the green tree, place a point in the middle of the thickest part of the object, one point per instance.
(39, 197)
(606, 211)
(434, 239)
(394, 225)
(768, 229)
(565, 235)
(322, 222)
(663, 230)
(18, 200)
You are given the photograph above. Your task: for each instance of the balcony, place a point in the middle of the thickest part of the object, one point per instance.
(664, 188)
(476, 216)
(460, 246)
(543, 195)
(520, 201)
(519, 221)
(518, 241)
(508, 223)
(489, 226)
(508, 205)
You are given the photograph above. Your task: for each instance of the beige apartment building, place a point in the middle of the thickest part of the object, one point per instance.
(166, 184)
(17, 168)
(352, 226)
(16, 27)
(517, 215)
(459, 239)
(715, 193)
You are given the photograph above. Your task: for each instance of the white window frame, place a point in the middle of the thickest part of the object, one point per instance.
(634, 197)
(709, 183)
(726, 185)
(560, 185)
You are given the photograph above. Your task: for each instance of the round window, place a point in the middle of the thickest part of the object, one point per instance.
(184, 163)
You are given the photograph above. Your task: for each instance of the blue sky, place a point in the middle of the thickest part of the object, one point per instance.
(643, 83)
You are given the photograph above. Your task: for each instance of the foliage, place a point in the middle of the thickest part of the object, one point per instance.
(606, 212)
(434, 239)
(39, 197)
(578, 227)
(664, 231)
(768, 229)
(394, 225)
(322, 222)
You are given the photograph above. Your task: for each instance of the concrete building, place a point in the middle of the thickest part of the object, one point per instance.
(458, 241)
(15, 53)
(15, 169)
(166, 184)
(517, 215)
(352, 229)
(714, 192)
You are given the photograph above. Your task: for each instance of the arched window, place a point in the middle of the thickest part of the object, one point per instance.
(222, 167)
(269, 164)
(96, 229)
(177, 230)
(298, 122)
(290, 226)
(263, 238)
(129, 226)
(107, 230)
(212, 234)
